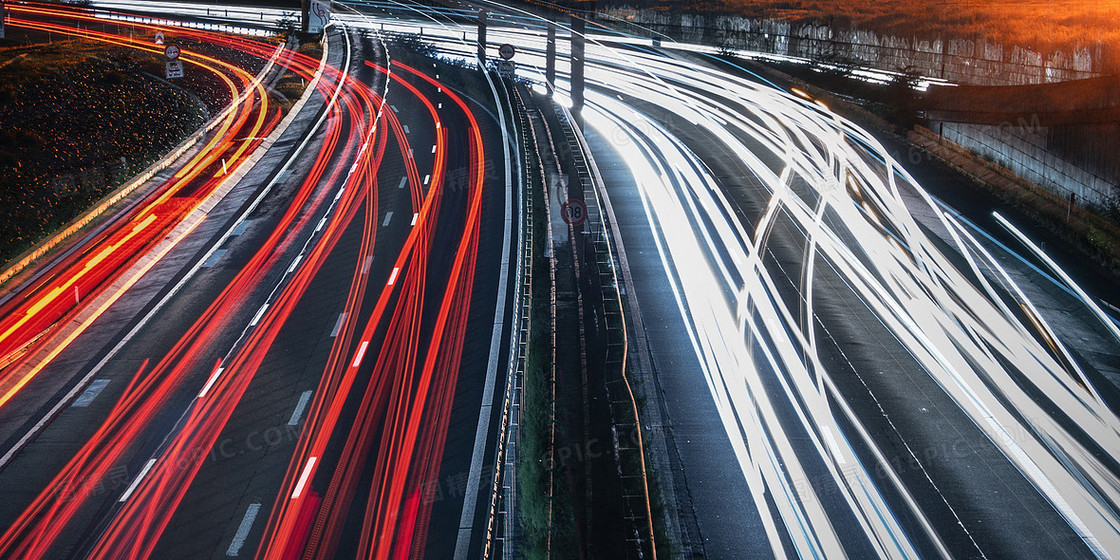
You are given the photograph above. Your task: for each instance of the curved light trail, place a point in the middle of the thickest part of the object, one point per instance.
(753, 318)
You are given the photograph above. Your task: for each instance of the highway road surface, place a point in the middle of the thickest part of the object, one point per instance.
(843, 364)
(848, 366)
(304, 357)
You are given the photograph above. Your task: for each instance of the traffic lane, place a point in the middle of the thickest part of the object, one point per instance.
(161, 333)
(380, 266)
(444, 491)
(1066, 314)
(247, 464)
(910, 398)
(728, 522)
(250, 458)
(447, 491)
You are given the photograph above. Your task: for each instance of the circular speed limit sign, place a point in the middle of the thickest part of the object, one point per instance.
(574, 211)
(506, 51)
(171, 52)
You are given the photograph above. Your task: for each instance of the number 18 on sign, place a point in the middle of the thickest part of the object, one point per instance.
(574, 211)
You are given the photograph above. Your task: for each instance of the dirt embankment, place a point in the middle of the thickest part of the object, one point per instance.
(77, 118)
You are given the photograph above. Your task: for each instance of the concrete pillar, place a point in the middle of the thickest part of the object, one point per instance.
(578, 50)
(482, 38)
(550, 57)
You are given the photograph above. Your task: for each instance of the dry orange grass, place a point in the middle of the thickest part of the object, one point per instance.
(1040, 25)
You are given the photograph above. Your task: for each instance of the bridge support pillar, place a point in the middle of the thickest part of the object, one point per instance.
(550, 57)
(577, 59)
(482, 39)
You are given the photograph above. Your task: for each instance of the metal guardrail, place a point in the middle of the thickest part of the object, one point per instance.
(502, 517)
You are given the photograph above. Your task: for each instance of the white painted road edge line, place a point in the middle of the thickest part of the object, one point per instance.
(136, 482)
(243, 530)
(470, 497)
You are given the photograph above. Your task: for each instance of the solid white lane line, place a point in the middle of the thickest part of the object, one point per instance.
(136, 482)
(303, 477)
(300, 406)
(243, 530)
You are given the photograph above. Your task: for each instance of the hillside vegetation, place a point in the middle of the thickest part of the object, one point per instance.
(76, 120)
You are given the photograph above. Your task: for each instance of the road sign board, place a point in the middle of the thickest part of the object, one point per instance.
(574, 211)
(319, 15)
(174, 69)
(171, 52)
(159, 37)
(507, 51)
(506, 68)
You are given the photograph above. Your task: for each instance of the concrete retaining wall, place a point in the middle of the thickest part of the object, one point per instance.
(965, 61)
(1023, 150)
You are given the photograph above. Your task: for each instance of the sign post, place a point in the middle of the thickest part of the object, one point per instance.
(506, 67)
(174, 66)
(174, 69)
